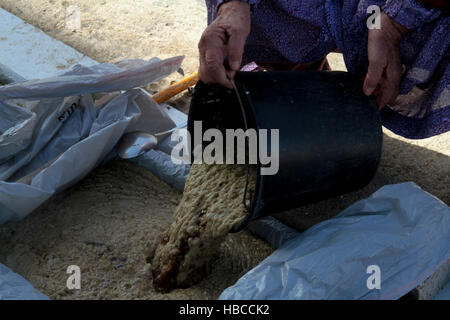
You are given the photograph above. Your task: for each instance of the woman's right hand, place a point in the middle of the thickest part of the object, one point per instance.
(385, 66)
(225, 37)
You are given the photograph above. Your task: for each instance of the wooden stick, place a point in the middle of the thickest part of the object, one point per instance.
(176, 88)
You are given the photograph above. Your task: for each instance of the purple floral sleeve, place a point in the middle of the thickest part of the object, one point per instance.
(213, 6)
(304, 31)
(409, 13)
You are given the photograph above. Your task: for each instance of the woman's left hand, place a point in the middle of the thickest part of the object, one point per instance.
(385, 67)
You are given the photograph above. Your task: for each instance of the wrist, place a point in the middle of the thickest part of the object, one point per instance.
(390, 29)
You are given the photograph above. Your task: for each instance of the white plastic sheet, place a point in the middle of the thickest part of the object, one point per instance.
(400, 228)
(105, 77)
(55, 131)
(14, 287)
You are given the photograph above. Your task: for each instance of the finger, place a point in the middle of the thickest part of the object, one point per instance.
(235, 50)
(390, 85)
(386, 94)
(377, 62)
(377, 91)
(202, 72)
(382, 101)
(394, 74)
(231, 74)
(215, 68)
(212, 50)
(373, 78)
(210, 66)
(377, 94)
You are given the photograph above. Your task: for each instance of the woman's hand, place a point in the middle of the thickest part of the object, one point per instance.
(385, 67)
(225, 37)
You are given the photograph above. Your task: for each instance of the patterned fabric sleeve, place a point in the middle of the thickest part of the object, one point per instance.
(409, 13)
(214, 5)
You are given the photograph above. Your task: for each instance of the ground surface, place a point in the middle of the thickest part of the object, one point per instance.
(107, 225)
(116, 223)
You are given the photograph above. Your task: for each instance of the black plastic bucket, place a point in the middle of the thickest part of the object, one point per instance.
(330, 134)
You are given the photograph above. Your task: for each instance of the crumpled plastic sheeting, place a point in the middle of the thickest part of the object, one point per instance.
(16, 128)
(14, 287)
(105, 77)
(8, 76)
(73, 134)
(400, 228)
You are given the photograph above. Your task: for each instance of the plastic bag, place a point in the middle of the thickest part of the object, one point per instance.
(400, 229)
(16, 129)
(14, 287)
(58, 130)
(105, 77)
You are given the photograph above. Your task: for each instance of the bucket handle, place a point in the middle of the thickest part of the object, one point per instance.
(247, 208)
